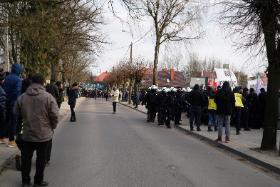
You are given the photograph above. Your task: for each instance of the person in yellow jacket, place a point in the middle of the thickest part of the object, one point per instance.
(212, 108)
(236, 116)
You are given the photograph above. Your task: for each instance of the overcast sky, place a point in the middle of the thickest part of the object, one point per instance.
(215, 43)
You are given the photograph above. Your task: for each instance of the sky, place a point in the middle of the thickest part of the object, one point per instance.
(216, 43)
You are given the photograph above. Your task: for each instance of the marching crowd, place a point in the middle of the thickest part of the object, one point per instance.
(28, 116)
(216, 108)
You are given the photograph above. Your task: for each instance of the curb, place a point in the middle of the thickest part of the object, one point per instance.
(8, 162)
(247, 157)
(211, 142)
(132, 108)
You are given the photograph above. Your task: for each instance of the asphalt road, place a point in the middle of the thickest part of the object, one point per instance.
(121, 150)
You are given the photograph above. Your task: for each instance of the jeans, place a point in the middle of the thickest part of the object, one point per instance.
(27, 153)
(212, 119)
(114, 106)
(195, 115)
(223, 120)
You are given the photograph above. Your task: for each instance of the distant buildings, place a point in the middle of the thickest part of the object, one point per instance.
(166, 78)
(215, 78)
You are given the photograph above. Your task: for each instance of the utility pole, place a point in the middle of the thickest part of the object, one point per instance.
(130, 81)
(131, 45)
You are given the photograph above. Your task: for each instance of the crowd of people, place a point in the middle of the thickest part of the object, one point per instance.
(216, 108)
(28, 116)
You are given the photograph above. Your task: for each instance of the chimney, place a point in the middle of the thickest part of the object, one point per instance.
(172, 74)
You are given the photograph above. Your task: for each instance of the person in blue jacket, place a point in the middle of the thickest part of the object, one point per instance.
(12, 86)
(2, 107)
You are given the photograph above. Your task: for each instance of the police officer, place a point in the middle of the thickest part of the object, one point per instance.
(151, 104)
(178, 106)
(163, 108)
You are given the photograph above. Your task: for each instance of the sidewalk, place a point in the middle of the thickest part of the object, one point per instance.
(7, 154)
(245, 145)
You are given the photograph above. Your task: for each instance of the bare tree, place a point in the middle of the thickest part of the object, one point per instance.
(172, 19)
(192, 68)
(257, 22)
(44, 33)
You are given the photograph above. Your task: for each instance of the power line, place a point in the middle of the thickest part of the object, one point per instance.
(135, 42)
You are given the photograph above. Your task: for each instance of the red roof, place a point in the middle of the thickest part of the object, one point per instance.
(102, 76)
(164, 79)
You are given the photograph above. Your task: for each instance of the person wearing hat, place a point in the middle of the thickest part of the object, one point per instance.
(2, 107)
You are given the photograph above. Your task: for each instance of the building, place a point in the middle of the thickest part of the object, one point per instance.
(166, 78)
(215, 78)
(258, 82)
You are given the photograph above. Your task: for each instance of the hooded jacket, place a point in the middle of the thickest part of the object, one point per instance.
(39, 112)
(12, 85)
(2, 100)
(72, 96)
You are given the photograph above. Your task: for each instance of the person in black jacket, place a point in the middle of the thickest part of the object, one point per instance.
(196, 100)
(253, 109)
(245, 110)
(179, 104)
(262, 106)
(163, 103)
(225, 103)
(72, 97)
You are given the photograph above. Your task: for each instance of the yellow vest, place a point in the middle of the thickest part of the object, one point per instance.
(238, 100)
(211, 104)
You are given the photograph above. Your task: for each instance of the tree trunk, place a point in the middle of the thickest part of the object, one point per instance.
(271, 111)
(53, 72)
(268, 22)
(155, 75)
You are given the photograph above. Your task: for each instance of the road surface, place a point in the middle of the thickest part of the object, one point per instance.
(122, 150)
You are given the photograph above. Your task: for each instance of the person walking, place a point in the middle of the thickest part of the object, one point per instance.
(12, 86)
(36, 133)
(115, 94)
(225, 102)
(72, 97)
(2, 107)
(196, 100)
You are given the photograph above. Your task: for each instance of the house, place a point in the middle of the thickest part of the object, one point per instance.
(215, 78)
(258, 82)
(102, 76)
(166, 78)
